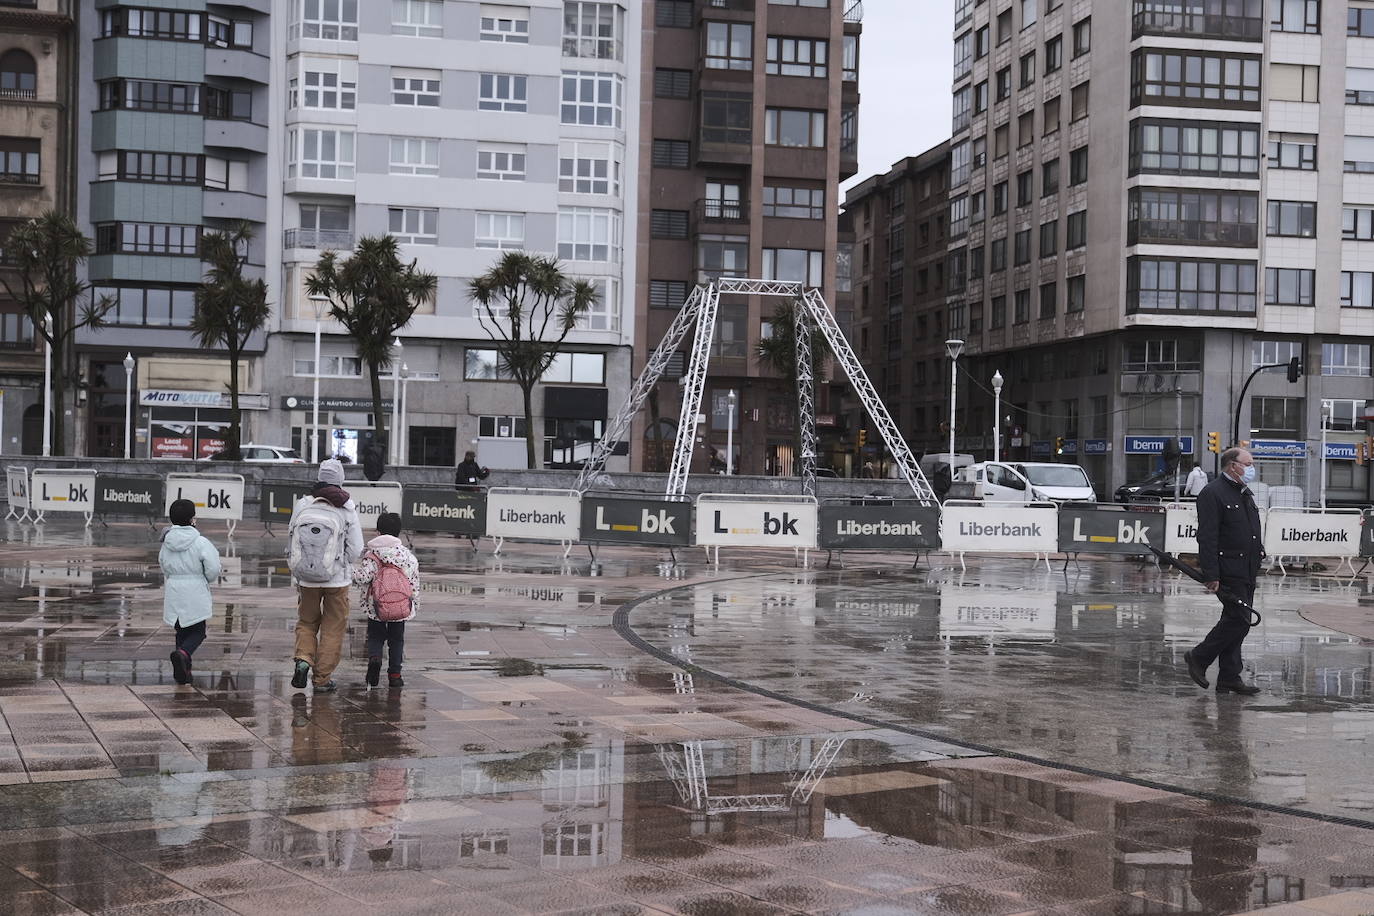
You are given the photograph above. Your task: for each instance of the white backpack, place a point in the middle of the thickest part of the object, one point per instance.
(316, 542)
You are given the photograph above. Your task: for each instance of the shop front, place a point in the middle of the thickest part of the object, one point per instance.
(191, 424)
(346, 426)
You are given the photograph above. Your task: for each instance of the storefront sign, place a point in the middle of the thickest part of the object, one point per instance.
(436, 509)
(117, 494)
(999, 529)
(1340, 451)
(167, 397)
(663, 522)
(62, 491)
(1180, 529)
(1154, 445)
(991, 613)
(1070, 447)
(1278, 448)
(306, 402)
(732, 521)
(1042, 447)
(900, 527)
(373, 499)
(186, 446)
(17, 486)
(217, 496)
(1104, 530)
(1315, 533)
(1096, 446)
(533, 515)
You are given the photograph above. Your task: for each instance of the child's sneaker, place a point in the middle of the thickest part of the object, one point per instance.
(181, 667)
(395, 680)
(374, 670)
(302, 675)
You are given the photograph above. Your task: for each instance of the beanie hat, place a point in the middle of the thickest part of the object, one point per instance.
(181, 512)
(331, 471)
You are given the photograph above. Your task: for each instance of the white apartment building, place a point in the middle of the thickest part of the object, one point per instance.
(1149, 200)
(465, 129)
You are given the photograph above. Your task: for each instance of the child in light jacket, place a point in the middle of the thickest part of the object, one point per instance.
(189, 564)
(387, 547)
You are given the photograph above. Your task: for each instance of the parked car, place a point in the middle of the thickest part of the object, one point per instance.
(994, 481)
(262, 454)
(1159, 485)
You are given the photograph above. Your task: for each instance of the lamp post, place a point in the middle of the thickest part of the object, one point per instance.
(315, 401)
(395, 396)
(730, 433)
(1326, 418)
(401, 424)
(953, 347)
(128, 403)
(997, 415)
(47, 389)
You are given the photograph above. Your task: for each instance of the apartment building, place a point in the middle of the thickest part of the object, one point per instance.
(466, 130)
(173, 103)
(36, 129)
(898, 299)
(1151, 199)
(750, 122)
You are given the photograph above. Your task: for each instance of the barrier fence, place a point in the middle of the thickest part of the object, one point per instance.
(712, 520)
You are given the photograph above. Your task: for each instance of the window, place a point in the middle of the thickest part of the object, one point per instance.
(1049, 122)
(975, 263)
(1021, 248)
(1076, 294)
(228, 104)
(962, 105)
(415, 88)
(1359, 86)
(150, 95)
(1345, 359)
(963, 55)
(576, 369)
(1292, 151)
(322, 86)
(723, 256)
(794, 127)
(1175, 216)
(591, 99)
(1357, 224)
(1029, 10)
(168, 25)
(997, 314)
(1162, 355)
(850, 63)
(796, 56)
(1296, 16)
(980, 97)
(1021, 302)
(153, 306)
(487, 365)
(18, 75)
(510, 24)
(163, 168)
(423, 18)
(1082, 37)
(980, 43)
(586, 167)
(1195, 78)
(793, 203)
(794, 264)
(592, 30)
(1359, 23)
(1293, 82)
(980, 152)
(958, 217)
(19, 160)
(322, 226)
(729, 46)
(1292, 218)
(672, 84)
(998, 257)
(673, 14)
(16, 331)
(1279, 418)
(1273, 352)
(500, 161)
(1188, 285)
(1289, 286)
(147, 238)
(999, 198)
(416, 156)
(977, 207)
(1004, 27)
(668, 224)
(1078, 166)
(1076, 230)
(1054, 54)
(335, 20)
(1003, 79)
(227, 33)
(1359, 154)
(1027, 69)
(1194, 148)
(500, 230)
(1049, 238)
(588, 234)
(1078, 102)
(1049, 299)
(667, 294)
(502, 92)
(672, 154)
(1357, 289)
(1049, 178)
(319, 153)
(1025, 129)
(1025, 188)
(959, 163)
(818, 4)
(413, 226)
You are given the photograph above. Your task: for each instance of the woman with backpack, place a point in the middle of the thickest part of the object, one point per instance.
(388, 578)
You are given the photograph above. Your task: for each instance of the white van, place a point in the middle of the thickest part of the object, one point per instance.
(1027, 482)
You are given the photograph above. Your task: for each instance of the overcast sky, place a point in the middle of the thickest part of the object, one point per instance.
(905, 68)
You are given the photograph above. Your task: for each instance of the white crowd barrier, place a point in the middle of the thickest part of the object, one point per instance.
(373, 499)
(738, 520)
(216, 496)
(17, 488)
(62, 490)
(970, 526)
(1302, 533)
(534, 515)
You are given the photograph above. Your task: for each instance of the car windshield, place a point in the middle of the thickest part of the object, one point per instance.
(1056, 475)
(289, 453)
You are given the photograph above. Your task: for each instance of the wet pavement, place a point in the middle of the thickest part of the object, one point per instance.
(538, 762)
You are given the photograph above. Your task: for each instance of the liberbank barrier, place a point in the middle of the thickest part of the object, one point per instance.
(628, 519)
(1180, 533)
(463, 513)
(276, 501)
(533, 515)
(878, 524)
(734, 520)
(1301, 533)
(129, 494)
(216, 496)
(970, 526)
(1111, 529)
(17, 492)
(65, 490)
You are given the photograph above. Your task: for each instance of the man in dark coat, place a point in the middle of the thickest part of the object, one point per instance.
(470, 473)
(1229, 551)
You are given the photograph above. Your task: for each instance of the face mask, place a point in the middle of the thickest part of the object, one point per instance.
(1247, 475)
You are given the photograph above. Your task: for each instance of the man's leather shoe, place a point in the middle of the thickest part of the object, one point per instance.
(1195, 671)
(1239, 687)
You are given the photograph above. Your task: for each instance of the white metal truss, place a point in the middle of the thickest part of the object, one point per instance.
(693, 383)
(825, 757)
(806, 397)
(688, 774)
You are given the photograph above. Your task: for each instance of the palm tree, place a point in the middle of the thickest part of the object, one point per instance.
(373, 295)
(528, 307)
(229, 309)
(44, 254)
(779, 352)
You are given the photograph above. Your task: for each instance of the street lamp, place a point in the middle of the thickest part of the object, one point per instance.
(953, 347)
(47, 387)
(315, 405)
(128, 403)
(395, 396)
(997, 415)
(401, 424)
(1326, 418)
(730, 433)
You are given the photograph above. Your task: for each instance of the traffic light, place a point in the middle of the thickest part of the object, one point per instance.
(1059, 445)
(1214, 442)
(863, 438)
(1294, 369)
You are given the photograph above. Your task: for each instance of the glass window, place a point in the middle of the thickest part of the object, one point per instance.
(1293, 218)
(588, 168)
(795, 264)
(1357, 289)
(1189, 285)
(593, 30)
(1345, 359)
(1193, 148)
(415, 88)
(500, 230)
(591, 99)
(423, 18)
(588, 234)
(796, 56)
(1289, 286)
(794, 127)
(1076, 231)
(729, 46)
(1195, 78)
(502, 92)
(319, 153)
(335, 20)
(414, 226)
(414, 156)
(510, 24)
(793, 203)
(1292, 151)
(1293, 82)
(501, 161)
(1296, 16)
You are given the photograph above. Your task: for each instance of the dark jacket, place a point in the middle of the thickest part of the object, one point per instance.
(1228, 531)
(469, 472)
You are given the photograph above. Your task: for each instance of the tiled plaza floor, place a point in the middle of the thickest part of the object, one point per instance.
(537, 762)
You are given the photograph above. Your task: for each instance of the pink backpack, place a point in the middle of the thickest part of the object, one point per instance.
(393, 597)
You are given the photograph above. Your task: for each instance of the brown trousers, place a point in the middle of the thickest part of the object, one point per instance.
(321, 621)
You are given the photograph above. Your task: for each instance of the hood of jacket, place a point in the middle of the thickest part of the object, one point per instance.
(336, 495)
(384, 540)
(180, 537)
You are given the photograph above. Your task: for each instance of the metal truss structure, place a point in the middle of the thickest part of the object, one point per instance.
(701, 309)
(687, 771)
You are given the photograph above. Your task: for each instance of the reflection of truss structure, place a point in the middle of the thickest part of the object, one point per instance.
(701, 309)
(687, 770)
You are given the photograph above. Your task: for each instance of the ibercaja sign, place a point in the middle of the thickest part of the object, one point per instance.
(636, 521)
(445, 510)
(848, 527)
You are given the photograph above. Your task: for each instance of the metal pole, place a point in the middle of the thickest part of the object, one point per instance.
(401, 425)
(1178, 431)
(1325, 412)
(128, 402)
(997, 416)
(47, 394)
(953, 379)
(395, 398)
(730, 434)
(315, 406)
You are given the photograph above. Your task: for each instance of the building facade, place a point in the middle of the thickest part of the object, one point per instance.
(465, 130)
(750, 120)
(1151, 200)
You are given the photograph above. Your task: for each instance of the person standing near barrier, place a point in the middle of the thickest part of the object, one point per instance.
(1197, 480)
(190, 563)
(470, 474)
(324, 540)
(1229, 551)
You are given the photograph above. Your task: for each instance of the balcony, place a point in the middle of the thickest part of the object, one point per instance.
(1192, 24)
(19, 95)
(1192, 232)
(325, 239)
(854, 11)
(710, 210)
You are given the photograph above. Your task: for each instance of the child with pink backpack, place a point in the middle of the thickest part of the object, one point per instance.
(388, 578)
